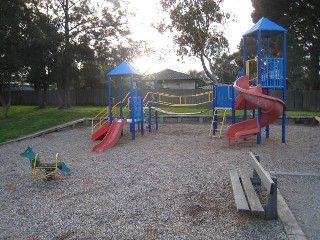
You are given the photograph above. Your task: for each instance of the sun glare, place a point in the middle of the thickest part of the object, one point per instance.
(146, 65)
(149, 11)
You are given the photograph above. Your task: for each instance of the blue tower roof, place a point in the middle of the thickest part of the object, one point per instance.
(267, 27)
(124, 69)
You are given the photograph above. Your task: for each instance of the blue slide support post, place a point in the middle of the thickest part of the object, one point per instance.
(259, 82)
(233, 110)
(121, 99)
(141, 108)
(132, 124)
(284, 86)
(156, 101)
(110, 99)
(268, 127)
(245, 71)
(215, 104)
(149, 109)
(268, 90)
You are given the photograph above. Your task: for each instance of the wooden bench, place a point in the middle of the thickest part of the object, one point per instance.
(245, 196)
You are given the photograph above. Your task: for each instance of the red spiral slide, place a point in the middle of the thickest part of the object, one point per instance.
(271, 108)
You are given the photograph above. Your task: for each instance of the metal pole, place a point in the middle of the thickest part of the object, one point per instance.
(233, 103)
(245, 70)
(141, 106)
(132, 125)
(268, 91)
(149, 108)
(110, 99)
(259, 81)
(284, 86)
(120, 99)
(156, 101)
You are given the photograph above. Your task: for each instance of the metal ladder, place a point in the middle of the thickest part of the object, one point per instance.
(216, 125)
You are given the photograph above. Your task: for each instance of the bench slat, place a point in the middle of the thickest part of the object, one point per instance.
(253, 200)
(240, 198)
(265, 177)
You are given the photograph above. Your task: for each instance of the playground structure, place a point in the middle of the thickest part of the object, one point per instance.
(44, 170)
(270, 73)
(109, 129)
(249, 92)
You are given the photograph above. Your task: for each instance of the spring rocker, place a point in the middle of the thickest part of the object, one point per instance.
(41, 170)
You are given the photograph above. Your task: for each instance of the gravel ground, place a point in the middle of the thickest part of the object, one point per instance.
(170, 184)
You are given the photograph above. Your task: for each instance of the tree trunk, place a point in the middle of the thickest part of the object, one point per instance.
(5, 104)
(209, 75)
(68, 59)
(44, 98)
(66, 95)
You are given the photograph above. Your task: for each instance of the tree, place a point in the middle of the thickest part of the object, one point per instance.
(13, 24)
(201, 75)
(301, 18)
(198, 30)
(84, 26)
(225, 68)
(42, 45)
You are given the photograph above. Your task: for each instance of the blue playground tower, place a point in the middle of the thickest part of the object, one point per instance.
(266, 70)
(271, 71)
(122, 72)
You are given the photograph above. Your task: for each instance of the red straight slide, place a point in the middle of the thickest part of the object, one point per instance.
(101, 132)
(271, 108)
(112, 136)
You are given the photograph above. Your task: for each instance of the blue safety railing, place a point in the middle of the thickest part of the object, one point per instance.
(272, 73)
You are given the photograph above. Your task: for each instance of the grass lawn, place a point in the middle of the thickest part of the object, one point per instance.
(27, 119)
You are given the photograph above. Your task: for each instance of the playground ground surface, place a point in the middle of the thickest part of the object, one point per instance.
(169, 184)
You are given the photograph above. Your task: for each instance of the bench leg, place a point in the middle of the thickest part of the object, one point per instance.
(271, 207)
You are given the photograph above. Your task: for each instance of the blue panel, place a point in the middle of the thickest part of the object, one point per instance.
(272, 73)
(137, 109)
(224, 96)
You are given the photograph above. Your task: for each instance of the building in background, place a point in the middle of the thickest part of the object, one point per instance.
(170, 79)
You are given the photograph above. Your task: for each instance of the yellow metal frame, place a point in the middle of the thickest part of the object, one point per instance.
(43, 172)
(146, 101)
(248, 63)
(215, 120)
(103, 116)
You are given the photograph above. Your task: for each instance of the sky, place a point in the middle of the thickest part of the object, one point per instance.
(149, 11)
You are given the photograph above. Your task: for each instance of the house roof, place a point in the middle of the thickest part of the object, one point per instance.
(267, 28)
(169, 74)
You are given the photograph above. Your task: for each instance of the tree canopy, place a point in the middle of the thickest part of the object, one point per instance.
(301, 18)
(197, 26)
(70, 43)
